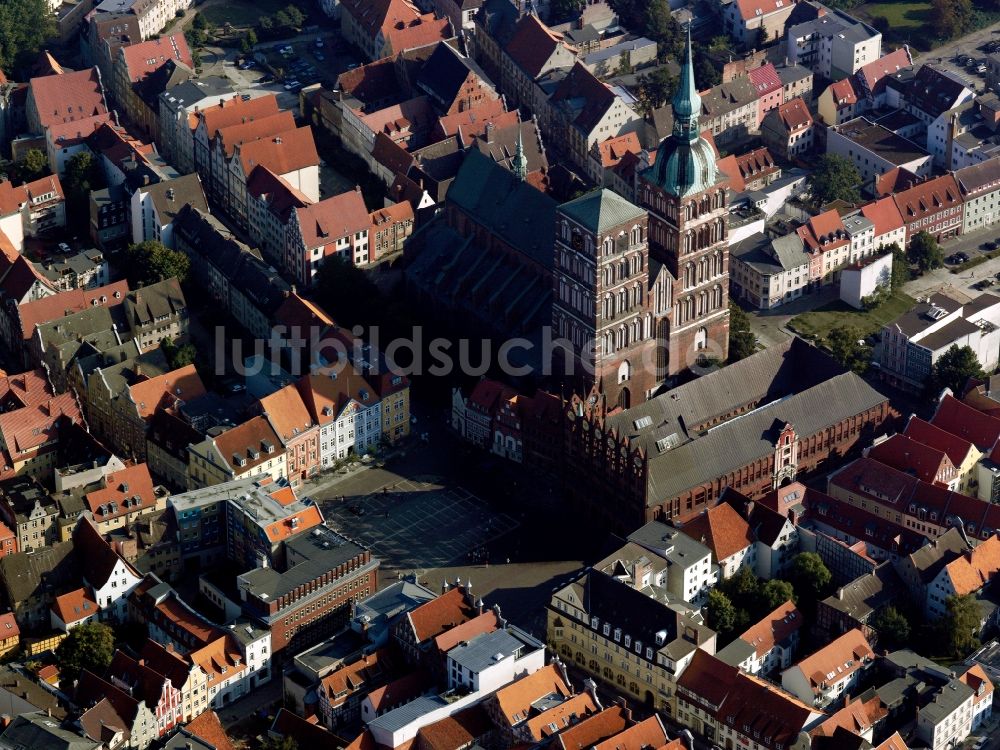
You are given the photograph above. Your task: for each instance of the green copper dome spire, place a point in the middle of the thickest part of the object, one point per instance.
(520, 163)
(685, 162)
(686, 102)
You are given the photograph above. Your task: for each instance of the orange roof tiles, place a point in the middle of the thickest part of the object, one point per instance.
(472, 122)
(928, 198)
(455, 732)
(613, 149)
(59, 305)
(856, 717)
(975, 568)
(296, 523)
(363, 674)
(956, 448)
(438, 615)
(843, 93)
(893, 743)
(976, 678)
(750, 9)
(255, 129)
(514, 700)
(207, 726)
(337, 216)
(721, 529)
(327, 397)
(561, 716)
(399, 691)
(126, 491)
(143, 58)
(182, 384)
(884, 214)
(834, 657)
(9, 628)
(795, 115)
(220, 660)
(765, 79)
(646, 734)
(283, 153)
(287, 412)
(236, 110)
(300, 312)
(487, 622)
(32, 414)
(248, 442)
(962, 420)
(824, 232)
(532, 44)
(773, 629)
(280, 197)
(593, 729)
(874, 73)
(67, 97)
(74, 606)
(426, 30)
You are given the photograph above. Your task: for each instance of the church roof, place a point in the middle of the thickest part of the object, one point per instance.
(601, 210)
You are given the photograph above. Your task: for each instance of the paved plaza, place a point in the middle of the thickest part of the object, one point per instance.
(414, 525)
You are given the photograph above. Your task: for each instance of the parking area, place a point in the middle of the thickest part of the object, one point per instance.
(416, 525)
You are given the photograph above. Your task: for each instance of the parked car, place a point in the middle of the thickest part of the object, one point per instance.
(291, 85)
(320, 56)
(319, 44)
(63, 247)
(267, 78)
(990, 245)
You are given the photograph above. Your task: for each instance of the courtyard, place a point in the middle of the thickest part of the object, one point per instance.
(415, 525)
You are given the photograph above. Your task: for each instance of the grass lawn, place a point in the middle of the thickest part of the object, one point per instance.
(241, 12)
(909, 21)
(816, 324)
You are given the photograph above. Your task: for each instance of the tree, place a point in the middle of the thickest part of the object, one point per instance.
(810, 576)
(201, 22)
(35, 164)
(89, 646)
(846, 349)
(662, 28)
(251, 37)
(776, 592)
(178, 356)
(720, 612)
(962, 623)
(656, 88)
(834, 178)
(83, 174)
(900, 266)
(742, 588)
(893, 628)
(24, 27)
(953, 370)
(295, 16)
(952, 17)
(926, 252)
(564, 10)
(706, 73)
(742, 341)
(150, 262)
(266, 23)
(280, 743)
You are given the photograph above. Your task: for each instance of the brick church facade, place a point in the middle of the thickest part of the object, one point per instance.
(642, 292)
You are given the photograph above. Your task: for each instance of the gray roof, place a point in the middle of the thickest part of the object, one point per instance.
(770, 256)
(881, 141)
(170, 196)
(947, 700)
(39, 731)
(24, 573)
(950, 334)
(834, 23)
(676, 547)
(393, 721)
(20, 694)
(393, 601)
(486, 650)
(601, 210)
(727, 97)
(979, 178)
(868, 593)
(857, 224)
(151, 303)
(791, 73)
(736, 652)
(916, 319)
(193, 91)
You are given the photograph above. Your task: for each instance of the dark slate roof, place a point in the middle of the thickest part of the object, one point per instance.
(172, 73)
(514, 210)
(601, 210)
(39, 731)
(934, 91)
(444, 72)
(170, 196)
(498, 17)
(24, 572)
(862, 596)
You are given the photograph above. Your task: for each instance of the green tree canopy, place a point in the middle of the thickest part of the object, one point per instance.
(776, 592)
(834, 178)
(926, 252)
(35, 164)
(893, 628)
(952, 17)
(742, 341)
(280, 743)
(24, 27)
(83, 174)
(810, 576)
(742, 588)
(178, 356)
(89, 646)
(656, 88)
(962, 622)
(953, 370)
(150, 262)
(564, 10)
(720, 612)
(844, 347)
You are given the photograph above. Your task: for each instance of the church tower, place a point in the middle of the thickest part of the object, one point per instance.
(685, 196)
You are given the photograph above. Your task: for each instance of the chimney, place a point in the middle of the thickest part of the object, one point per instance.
(590, 687)
(479, 605)
(562, 671)
(444, 586)
(490, 128)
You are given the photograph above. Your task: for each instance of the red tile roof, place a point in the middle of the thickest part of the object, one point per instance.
(455, 732)
(300, 312)
(750, 9)
(896, 179)
(472, 122)
(959, 419)
(400, 691)
(124, 492)
(974, 569)
(975, 677)
(252, 130)
(365, 673)
(884, 214)
(843, 93)
(31, 412)
(844, 656)
(642, 736)
(593, 729)
(928, 198)
(296, 523)
(8, 626)
(64, 134)
(181, 384)
(775, 628)
(338, 216)
(824, 232)
(248, 442)
(443, 613)
(795, 115)
(874, 73)
(559, 717)
(721, 529)
(532, 44)
(613, 149)
(957, 449)
(74, 606)
(280, 197)
(514, 700)
(207, 726)
(235, 110)
(67, 97)
(765, 79)
(327, 397)
(283, 153)
(480, 625)
(287, 412)
(904, 453)
(426, 30)
(143, 58)
(56, 306)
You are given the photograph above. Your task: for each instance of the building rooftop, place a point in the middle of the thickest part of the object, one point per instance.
(881, 141)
